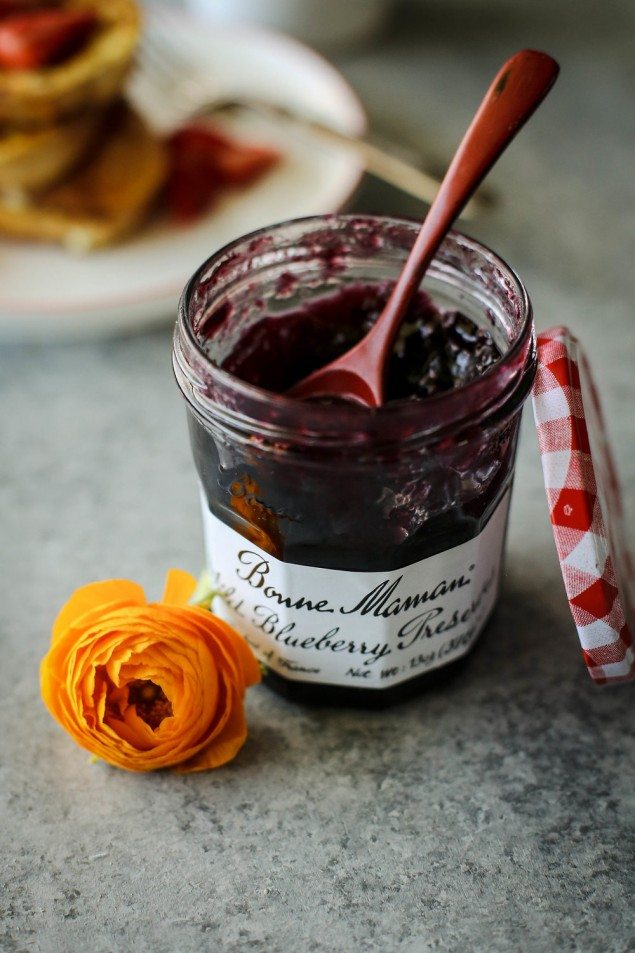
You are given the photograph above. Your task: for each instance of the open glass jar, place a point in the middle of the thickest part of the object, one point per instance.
(358, 551)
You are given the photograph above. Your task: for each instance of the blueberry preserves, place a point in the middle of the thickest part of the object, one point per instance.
(358, 551)
(434, 352)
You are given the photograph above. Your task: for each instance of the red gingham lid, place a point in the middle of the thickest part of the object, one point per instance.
(585, 506)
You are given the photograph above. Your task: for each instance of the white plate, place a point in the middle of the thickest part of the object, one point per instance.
(46, 293)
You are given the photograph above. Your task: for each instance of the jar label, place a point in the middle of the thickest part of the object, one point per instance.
(358, 629)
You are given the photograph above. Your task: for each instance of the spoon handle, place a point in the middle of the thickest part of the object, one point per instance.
(516, 92)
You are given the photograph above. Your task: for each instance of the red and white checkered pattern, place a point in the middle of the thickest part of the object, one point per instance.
(585, 507)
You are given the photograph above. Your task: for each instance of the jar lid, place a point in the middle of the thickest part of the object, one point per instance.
(585, 506)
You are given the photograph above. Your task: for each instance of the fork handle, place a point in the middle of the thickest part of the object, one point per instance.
(377, 161)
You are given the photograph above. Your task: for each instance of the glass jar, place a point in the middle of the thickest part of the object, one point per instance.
(359, 551)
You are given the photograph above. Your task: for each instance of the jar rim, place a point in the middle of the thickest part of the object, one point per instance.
(273, 414)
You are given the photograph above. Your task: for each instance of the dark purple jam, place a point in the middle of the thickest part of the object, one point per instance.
(328, 506)
(435, 351)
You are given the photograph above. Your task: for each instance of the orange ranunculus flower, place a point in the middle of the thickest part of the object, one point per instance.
(146, 686)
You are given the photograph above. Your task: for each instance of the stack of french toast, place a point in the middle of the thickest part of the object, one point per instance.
(78, 165)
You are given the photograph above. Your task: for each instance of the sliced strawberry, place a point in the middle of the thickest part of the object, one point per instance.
(239, 164)
(193, 180)
(43, 37)
(204, 161)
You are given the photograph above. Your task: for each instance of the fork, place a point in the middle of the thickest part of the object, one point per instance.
(172, 90)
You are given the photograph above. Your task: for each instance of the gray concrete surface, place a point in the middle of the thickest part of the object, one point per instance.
(494, 815)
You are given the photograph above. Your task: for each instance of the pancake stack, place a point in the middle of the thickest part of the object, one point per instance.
(78, 166)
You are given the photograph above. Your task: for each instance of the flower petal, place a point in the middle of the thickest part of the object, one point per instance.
(224, 746)
(179, 586)
(248, 662)
(93, 595)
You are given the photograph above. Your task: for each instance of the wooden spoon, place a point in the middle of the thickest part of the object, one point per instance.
(517, 90)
